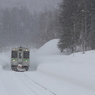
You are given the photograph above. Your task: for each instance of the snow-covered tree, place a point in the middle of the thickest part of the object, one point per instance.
(76, 22)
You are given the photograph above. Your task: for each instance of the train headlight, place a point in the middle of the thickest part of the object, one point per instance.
(26, 60)
(14, 49)
(13, 60)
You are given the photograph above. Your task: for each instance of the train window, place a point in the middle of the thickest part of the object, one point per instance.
(14, 54)
(26, 54)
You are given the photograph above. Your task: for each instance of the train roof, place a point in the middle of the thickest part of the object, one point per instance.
(20, 48)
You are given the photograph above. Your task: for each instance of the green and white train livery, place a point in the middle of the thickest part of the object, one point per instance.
(20, 59)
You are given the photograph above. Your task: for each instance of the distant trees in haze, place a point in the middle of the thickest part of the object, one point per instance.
(15, 25)
(20, 27)
(48, 26)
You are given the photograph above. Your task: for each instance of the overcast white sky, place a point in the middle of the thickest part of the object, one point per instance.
(33, 5)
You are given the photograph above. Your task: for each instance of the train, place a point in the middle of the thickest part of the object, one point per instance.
(20, 59)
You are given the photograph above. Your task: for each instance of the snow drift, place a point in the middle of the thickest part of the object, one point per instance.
(66, 74)
(78, 69)
(50, 48)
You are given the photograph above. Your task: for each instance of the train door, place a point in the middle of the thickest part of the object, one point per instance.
(20, 57)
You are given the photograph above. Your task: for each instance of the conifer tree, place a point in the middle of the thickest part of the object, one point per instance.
(76, 22)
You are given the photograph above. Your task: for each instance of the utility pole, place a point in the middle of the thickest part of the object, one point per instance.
(84, 31)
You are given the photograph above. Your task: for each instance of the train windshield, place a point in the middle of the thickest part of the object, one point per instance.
(14, 54)
(26, 54)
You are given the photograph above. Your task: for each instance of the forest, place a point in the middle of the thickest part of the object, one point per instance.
(72, 23)
(77, 25)
(20, 27)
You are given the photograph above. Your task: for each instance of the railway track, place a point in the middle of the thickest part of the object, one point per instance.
(35, 87)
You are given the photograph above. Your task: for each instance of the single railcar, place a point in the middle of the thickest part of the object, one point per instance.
(20, 59)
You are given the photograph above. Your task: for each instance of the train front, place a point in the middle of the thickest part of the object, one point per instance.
(20, 59)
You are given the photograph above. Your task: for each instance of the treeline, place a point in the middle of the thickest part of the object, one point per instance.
(77, 25)
(20, 27)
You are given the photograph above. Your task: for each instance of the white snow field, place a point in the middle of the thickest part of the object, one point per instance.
(50, 73)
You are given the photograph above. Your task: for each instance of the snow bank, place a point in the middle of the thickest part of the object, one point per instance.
(5, 60)
(78, 69)
(50, 48)
(81, 74)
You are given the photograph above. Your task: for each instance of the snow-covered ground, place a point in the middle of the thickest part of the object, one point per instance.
(50, 73)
